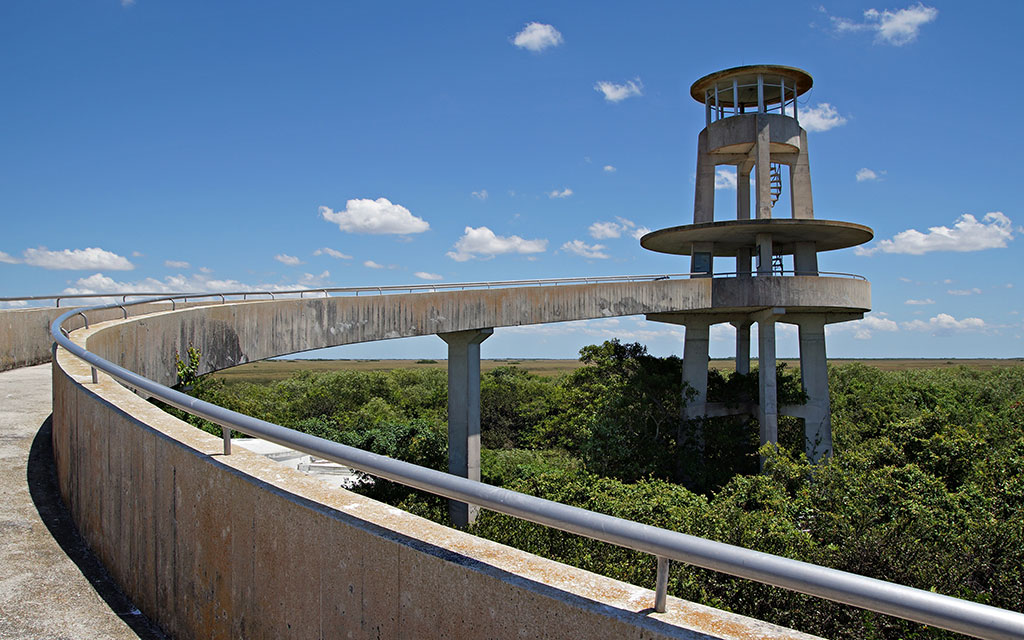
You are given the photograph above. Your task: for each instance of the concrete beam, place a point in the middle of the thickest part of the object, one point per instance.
(464, 414)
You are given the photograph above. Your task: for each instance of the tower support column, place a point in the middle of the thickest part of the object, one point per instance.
(742, 347)
(704, 195)
(763, 165)
(768, 407)
(695, 365)
(802, 204)
(814, 378)
(464, 413)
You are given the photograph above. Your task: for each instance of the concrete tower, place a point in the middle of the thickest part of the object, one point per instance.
(753, 124)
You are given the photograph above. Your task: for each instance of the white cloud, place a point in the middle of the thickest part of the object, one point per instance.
(945, 324)
(176, 264)
(967, 234)
(920, 302)
(482, 242)
(862, 329)
(821, 118)
(609, 168)
(73, 259)
(602, 230)
(725, 179)
(137, 254)
(327, 251)
(897, 28)
(379, 216)
(127, 3)
(284, 258)
(865, 174)
(618, 92)
(205, 270)
(640, 232)
(310, 280)
(373, 265)
(537, 36)
(7, 258)
(480, 195)
(564, 193)
(426, 275)
(964, 292)
(580, 248)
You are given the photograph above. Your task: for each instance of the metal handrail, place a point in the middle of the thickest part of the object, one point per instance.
(165, 297)
(921, 606)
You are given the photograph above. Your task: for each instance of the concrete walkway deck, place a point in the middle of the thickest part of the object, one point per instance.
(51, 586)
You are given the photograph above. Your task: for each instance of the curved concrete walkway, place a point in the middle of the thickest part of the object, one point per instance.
(51, 585)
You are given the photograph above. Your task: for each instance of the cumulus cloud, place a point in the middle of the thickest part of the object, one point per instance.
(426, 275)
(284, 258)
(821, 118)
(967, 234)
(205, 269)
(379, 216)
(618, 92)
(964, 292)
(334, 253)
(920, 302)
(897, 27)
(537, 36)
(725, 179)
(373, 265)
(71, 259)
(605, 230)
(480, 195)
(101, 284)
(484, 243)
(564, 193)
(176, 264)
(865, 174)
(862, 329)
(310, 280)
(609, 169)
(580, 248)
(945, 324)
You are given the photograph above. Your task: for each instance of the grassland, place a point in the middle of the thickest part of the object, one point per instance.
(273, 370)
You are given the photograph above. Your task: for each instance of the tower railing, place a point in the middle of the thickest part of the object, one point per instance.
(925, 607)
(720, 100)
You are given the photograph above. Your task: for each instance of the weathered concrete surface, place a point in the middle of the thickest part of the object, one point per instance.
(50, 585)
(25, 333)
(239, 332)
(237, 546)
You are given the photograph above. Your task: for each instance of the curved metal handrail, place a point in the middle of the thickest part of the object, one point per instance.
(410, 288)
(921, 606)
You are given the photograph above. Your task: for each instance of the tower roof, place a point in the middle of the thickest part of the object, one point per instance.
(746, 78)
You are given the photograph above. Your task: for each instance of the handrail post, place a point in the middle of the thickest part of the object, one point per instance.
(661, 588)
(226, 434)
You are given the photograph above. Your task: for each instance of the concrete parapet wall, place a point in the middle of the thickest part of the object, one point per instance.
(25, 333)
(214, 546)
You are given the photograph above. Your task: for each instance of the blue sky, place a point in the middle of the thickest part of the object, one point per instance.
(249, 145)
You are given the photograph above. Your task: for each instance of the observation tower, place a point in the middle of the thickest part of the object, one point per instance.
(752, 123)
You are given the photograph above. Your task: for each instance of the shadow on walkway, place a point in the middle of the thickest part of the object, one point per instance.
(42, 484)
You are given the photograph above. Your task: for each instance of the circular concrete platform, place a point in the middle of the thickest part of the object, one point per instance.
(746, 76)
(730, 235)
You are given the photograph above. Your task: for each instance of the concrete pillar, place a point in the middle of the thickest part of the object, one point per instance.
(464, 413)
(743, 190)
(814, 377)
(762, 168)
(743, 262)
(805, 259)
(704, 192)
(742, 347)
(768, 409)
(695, 365)
(801, 202)
(764, 254)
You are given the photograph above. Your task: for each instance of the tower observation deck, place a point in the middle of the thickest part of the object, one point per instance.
(752, 123)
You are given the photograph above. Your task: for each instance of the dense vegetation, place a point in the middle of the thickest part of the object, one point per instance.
(926, 487)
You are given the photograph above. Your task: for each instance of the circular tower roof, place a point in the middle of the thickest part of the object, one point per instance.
(730, 235)
(746, 78)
